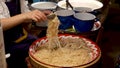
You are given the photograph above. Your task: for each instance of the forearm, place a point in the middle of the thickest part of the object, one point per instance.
(8, 23)
(35, 15)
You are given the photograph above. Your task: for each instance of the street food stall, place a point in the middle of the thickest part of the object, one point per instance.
(98, 12)
(76, 28)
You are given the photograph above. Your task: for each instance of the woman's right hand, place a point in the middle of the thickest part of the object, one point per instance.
(37, 15)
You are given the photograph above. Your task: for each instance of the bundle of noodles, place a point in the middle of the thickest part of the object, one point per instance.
(68, 56)
(52, 33)
(53, 40)
(71, 51)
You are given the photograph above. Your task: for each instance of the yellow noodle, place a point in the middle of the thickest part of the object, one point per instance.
(67, 57)
(70, 55)
(52, 33)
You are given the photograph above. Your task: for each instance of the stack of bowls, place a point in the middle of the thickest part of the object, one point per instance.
(85, 16)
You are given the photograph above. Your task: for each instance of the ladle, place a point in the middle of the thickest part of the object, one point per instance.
(51, 16)
(68, 4)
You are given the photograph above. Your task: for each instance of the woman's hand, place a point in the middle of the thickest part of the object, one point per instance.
(37, 15)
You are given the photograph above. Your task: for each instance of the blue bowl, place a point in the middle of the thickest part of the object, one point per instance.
(65, 17)
(83, 22)
(82, 9)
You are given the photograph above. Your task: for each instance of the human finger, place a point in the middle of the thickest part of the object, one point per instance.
(47, 12)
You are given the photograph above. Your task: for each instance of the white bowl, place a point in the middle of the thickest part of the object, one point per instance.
(44, 5)
(93, 4)
(42, 24)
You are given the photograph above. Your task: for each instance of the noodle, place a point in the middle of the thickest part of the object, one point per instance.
(68, 57)
(70, 51)
(52, 33)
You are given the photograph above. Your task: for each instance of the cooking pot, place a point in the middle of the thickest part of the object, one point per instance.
(38, 63)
